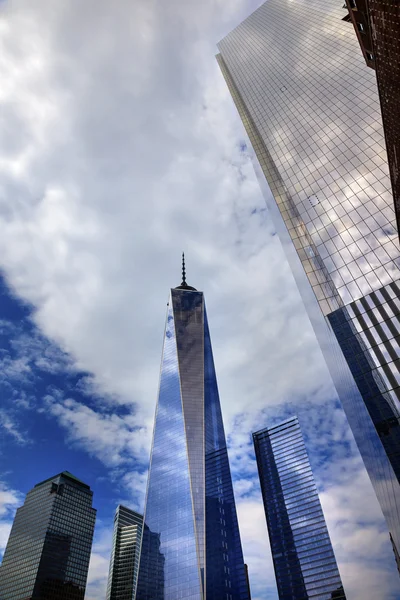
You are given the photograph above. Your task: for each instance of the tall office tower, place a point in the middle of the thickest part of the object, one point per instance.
(311, 110)
(48, 552)
(377, 26)
(302, 553)
(190, 504)
(125, 554)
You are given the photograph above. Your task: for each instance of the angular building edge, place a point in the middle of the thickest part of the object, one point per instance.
(364, 432)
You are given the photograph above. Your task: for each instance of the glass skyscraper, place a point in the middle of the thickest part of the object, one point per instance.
(311, 111)
(125, 554)
(48, 552)
(191, 531)
(304, 562)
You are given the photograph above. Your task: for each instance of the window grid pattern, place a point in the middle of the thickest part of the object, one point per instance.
(189, 330)
(48, 552)
(368, 331)
(225, 577)
(125, 554)
(302, 553)
(318, 276)
(385, 26)
(316, 109)
(311, 110)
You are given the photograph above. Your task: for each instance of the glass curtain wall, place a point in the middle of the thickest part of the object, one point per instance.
(190, 508)
(302, 553)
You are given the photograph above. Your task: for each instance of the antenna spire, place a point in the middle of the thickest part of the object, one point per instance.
(184, 285)
(183, 270)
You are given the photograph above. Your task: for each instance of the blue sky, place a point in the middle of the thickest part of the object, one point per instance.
(120, 148)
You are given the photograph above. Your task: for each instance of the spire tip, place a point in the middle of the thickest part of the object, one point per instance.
(183, 269)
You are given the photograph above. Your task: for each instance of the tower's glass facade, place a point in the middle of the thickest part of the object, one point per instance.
(191, 534)
(125, 554)
(48, 552)
(304, 562)
(311, 110)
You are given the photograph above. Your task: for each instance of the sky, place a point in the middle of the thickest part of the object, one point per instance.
(121, 147)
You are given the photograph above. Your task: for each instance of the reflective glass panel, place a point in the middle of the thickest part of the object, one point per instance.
(296, 524)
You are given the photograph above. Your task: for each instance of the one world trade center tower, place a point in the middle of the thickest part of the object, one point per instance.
(191, 545)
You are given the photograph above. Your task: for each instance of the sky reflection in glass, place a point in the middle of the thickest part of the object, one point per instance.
(190, 513)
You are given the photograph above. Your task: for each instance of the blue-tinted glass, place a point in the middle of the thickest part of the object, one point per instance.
(168, 517)
(380, 454)
(191, 537)
(304, 562)
(225, 568)
(188, 317)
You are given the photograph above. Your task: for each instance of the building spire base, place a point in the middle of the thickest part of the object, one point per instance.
(184, 285)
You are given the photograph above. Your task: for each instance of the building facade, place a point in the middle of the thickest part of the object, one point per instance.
(311, 111)
(377, 26)
(191, 529)
(302, 553)
(48, 551)
(125, 554)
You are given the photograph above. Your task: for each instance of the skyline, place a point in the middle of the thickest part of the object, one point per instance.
(74, 251)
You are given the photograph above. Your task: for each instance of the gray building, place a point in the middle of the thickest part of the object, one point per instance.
(302, 553)
(125, 554)
(311, 111)
(48, 551)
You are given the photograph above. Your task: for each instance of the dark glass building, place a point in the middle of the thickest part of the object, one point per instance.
(125, 554)
(190, 509)
(311, 110)
(377, 26)
(152, 580)
(304, 562)
(48, 552)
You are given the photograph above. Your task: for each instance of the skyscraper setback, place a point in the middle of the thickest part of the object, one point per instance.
(311, 110)
(304, 562)
(125, 554)
(190, 508)
(47, 554)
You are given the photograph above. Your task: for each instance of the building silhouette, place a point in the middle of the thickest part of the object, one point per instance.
(311, 110)
(125, 554)
(302, 553)
(190, 504)
(48, 551)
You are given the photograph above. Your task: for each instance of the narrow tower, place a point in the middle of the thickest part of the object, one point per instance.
(190, 508)
(48, 552)
(304, 562)
(125, 554)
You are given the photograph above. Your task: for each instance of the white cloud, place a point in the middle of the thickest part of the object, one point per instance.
(114, 440)
(99, 563)
(359, 537)
(10, 426)
(256, 549)
(9, 501)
